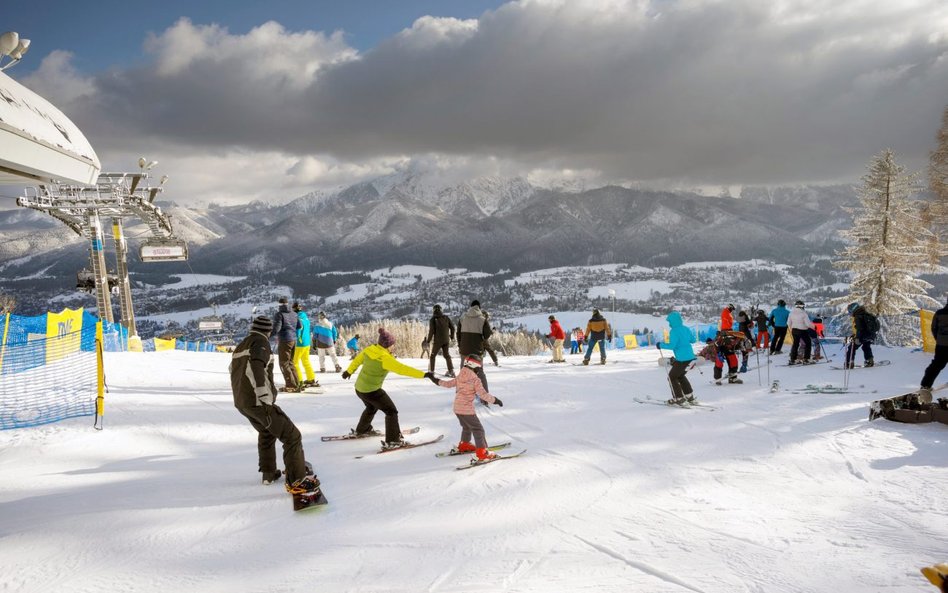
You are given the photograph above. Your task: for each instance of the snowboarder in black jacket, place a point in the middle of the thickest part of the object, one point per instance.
(864, 333)
(251, 378)
(284, 329)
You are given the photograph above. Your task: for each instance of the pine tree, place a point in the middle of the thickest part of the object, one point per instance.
(888, 247)
(937, 212)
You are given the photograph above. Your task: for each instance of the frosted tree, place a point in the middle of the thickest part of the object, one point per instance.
(888, 246)
(937, 213)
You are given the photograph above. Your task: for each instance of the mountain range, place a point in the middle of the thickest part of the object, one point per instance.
(488, 223)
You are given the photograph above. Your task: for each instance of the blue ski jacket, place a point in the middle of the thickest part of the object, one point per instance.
(679, 339)
(304, 339)
(779, 316)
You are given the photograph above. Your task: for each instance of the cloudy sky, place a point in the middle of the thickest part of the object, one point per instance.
(243, 100)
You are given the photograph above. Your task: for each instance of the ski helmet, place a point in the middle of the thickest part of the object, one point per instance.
(799, 304)
(473, 361)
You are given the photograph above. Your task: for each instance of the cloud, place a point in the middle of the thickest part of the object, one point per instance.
(662, 91)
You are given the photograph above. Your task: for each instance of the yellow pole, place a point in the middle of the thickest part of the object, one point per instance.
(100, 377)
(3, 345)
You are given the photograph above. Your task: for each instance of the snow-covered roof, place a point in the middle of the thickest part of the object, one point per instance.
(38, 142)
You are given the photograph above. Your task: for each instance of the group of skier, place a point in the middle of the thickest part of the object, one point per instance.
(255, 393)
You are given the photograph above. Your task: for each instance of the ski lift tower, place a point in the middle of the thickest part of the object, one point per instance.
(115, 196)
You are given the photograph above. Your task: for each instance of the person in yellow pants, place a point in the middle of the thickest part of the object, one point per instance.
(304, 339)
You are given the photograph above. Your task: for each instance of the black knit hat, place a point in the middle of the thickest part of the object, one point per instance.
(475, 303)
(261, 324)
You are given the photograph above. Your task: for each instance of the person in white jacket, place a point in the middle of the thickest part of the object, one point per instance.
(800, 325)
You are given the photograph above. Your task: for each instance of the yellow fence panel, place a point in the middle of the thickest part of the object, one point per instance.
(161, 345)
(630, 341)
(66, 326)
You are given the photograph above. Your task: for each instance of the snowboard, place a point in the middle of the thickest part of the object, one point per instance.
(687, 406)
(374, 433)
(453, 452)
(479, 462)
(882, 407)
(309, 500)
(878, 363)
(406, 446)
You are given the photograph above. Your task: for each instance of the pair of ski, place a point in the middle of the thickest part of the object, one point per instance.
(878, 363)
(477, 462)
(806, 364)
(694, 405)
(413, 430)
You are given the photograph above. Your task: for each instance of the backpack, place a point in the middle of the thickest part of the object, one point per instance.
(872, 323)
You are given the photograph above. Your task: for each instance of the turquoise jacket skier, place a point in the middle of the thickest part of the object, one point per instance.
(779, 316)
(303, 337)
(679, 339)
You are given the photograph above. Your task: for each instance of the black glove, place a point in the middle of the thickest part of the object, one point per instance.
(498, 402)
(659, 346)
(346, 375)
(430, 376)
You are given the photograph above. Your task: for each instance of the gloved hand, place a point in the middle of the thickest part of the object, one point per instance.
(498, 402)
(659, 346)
(430, 376)
(346, 375)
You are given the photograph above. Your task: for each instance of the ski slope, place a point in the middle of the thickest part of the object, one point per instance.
(769, 493)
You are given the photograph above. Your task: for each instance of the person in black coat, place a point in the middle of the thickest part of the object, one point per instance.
(284, 329)
(251, 377)
(940, 333)
(439, 338)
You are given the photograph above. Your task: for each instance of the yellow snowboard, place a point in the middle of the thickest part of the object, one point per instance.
(938, 576)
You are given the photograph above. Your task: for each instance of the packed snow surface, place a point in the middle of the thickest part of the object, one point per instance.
(783, 492)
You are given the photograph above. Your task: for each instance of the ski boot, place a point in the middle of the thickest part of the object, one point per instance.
(585, 362)
(603, 361)
(311, 383)
(484, 454)
(869, 363)
(271, 477)
(733, 380)
(925, 395)
(369, 433)
(690, 398)
(338, 369)
(743, 368)
(465, 447)
(389, 445)
(676, 401)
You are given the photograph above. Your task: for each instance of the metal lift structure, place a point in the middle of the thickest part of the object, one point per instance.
(115, 196)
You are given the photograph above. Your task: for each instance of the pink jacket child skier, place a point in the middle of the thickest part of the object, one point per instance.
(469, 386)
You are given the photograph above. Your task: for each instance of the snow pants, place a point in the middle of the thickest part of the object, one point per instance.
(800, 335)
(322, 357)
(301, 363)
(763, 336)
(285, 352)
(272, 424)
(592, 345)
(443, 351)
(574, 347)
(731, 365)
(937, 364)
(558, 351)
(379, 401)
(471, 425)
(490, 352)
(680, 385)
(776, 345)
(854, 345)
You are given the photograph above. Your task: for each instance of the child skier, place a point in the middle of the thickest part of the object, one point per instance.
(722, 349)
(469, 386)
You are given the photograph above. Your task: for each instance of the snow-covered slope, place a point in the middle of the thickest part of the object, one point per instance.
(773, 493)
